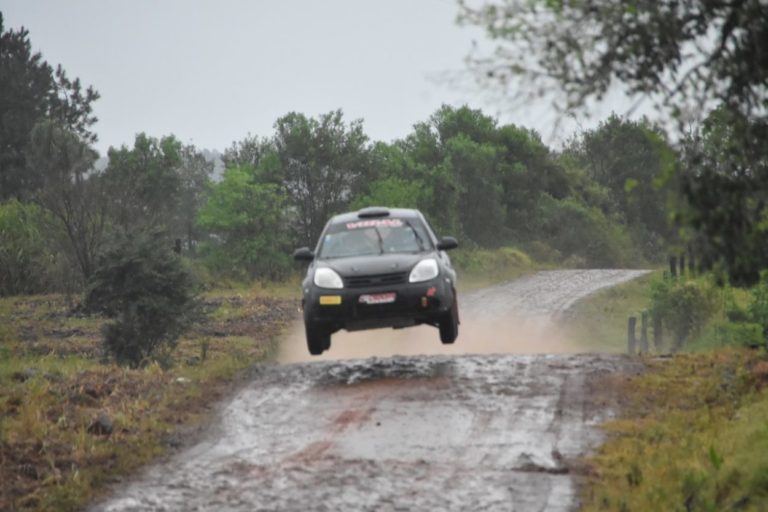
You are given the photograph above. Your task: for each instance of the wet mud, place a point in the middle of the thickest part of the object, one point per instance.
(496, 422)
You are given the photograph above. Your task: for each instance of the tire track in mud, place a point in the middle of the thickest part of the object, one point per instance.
(430, 432)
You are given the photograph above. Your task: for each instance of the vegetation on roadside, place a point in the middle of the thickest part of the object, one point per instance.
(150, 296)
(72, 421)
(692, 436)
(598, 323)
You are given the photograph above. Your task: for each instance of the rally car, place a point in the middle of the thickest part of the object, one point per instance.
(378, 267)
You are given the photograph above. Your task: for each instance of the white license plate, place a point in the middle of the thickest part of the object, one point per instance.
(377, 298)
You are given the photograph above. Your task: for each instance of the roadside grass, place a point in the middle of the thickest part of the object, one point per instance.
(479, 268)
(598, 323)
(693, 436)
(55, 383)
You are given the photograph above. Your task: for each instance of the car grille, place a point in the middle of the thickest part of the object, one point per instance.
(377, 280)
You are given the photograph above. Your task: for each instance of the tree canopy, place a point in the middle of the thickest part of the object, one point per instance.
(31, 91)
(689, 55)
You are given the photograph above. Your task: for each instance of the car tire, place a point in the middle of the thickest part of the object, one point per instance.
(318, 340)
(449, 324)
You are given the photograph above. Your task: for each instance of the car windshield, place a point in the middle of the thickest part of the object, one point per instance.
(373, 237)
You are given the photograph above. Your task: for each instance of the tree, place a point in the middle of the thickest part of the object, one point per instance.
(144, 183)
(32, 91)
(194, 184)
(725, 194)
(324, 163)
(72, 195)
(634, 162)
(689, 55)
(249, 219)
(247, 152)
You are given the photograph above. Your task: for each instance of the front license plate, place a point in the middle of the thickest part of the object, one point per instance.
(378, 298)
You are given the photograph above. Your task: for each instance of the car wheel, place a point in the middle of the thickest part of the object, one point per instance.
(449, 324)
(318, 340)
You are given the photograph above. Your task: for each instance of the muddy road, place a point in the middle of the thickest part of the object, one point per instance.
(496, 422)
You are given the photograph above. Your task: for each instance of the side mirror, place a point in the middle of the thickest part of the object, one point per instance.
(303, 254)
(447, 243)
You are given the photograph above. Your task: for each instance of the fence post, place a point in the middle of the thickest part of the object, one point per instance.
(644, 333)
(177, 246)
(631, 342)
(682, 265)
(658, 334)
(673, 266)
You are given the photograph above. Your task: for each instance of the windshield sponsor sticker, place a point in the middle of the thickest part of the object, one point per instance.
(375, 223)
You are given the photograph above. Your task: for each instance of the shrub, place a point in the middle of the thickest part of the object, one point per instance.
(722, 333)
(585, 233)
(684, 306)
(143, 285)
(23, 249)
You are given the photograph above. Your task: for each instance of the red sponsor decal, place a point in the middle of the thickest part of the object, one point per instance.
(388, 223)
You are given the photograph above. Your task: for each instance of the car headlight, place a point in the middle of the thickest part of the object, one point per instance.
(327, 278)
(424, 271)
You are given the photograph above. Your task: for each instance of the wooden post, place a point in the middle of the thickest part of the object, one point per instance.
(673, 266)
(658, 335)
(644, 333)
(682, 265)
(631, 342)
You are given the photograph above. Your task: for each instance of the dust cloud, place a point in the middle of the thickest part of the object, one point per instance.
(518, 317)
(510, 335)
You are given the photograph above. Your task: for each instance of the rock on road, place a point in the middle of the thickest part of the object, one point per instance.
(462, 428)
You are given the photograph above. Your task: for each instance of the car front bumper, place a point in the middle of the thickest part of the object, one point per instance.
(414, 304)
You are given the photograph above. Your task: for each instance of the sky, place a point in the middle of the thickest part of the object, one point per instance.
(213, 72)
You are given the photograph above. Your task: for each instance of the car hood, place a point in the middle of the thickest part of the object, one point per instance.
(374, 265)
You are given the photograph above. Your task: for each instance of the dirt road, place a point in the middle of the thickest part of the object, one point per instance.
(442, 431)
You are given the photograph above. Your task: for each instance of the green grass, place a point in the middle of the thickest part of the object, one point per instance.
(598, 323)
(693, 436)
(479, 268)
(50, 460)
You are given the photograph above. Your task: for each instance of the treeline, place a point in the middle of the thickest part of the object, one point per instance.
(599, 201)
(489, 184)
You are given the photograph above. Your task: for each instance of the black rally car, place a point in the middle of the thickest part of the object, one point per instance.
(378, 267)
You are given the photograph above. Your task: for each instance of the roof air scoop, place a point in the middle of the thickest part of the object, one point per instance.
(373, 211)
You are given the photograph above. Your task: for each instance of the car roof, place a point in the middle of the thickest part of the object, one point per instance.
(408, 213)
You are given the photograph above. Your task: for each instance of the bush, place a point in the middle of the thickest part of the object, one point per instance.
(585, 234)
(143, 285)
(684, 306)
(23, 251)
(727, 333)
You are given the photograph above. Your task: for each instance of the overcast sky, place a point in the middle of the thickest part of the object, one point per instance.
(212, 72)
